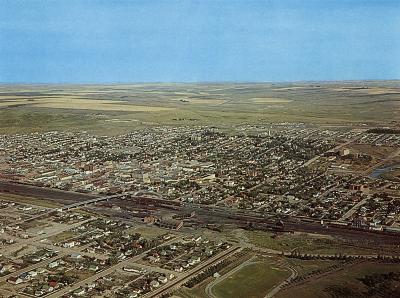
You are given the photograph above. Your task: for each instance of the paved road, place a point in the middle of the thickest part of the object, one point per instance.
(354, 209)
(277, 288)
(62, 252)
(312, 160)
(35, 240)
(187, 275)
(210, 286)
(33, 267)
(105, 272)
(158, 269)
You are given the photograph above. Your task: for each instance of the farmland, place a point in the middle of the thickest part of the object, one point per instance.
(114, 109)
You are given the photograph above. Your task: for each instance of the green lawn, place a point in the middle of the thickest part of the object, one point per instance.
(287, 241)
(63, 236)
(302, 243)
(304, 267)
(252, 281)
(28, 200)
(347, 280)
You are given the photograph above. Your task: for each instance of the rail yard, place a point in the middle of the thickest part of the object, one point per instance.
(182, 190)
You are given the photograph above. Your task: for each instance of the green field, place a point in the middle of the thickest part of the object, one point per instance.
(28, 200)
(63, 236)
(347, 283)
(302, 243)
(304, 267)
(251, 281)
(114, 109)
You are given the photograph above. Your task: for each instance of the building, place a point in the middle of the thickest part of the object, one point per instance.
(170, 224)
(15, 280)
(344, 152)
(150, 219)
(185, 215)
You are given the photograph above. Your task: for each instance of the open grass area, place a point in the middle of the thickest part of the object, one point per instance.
(287, 242)
(147, 232)
(345, 283)
(28, 200)
(269, 100)
(97, 105)
(302, 243)
(199, 290)
(304, 267)
(251, 281)
(63, 236)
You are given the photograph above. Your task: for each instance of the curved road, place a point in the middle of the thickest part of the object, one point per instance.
(277, 288)
(209, 287)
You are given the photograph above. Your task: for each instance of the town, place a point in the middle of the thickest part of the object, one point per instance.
(126, 215)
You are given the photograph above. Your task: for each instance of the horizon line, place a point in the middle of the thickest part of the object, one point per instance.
(197, 82)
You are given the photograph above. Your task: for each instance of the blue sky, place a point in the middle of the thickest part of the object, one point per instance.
(198, 41)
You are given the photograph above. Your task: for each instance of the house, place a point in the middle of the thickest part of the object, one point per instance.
(93, 267)
(47, 288)
(41, 270)
(69, 244)
(80, 292)
(53, 284)
(15, 280)
(196, 239)
(6, 268)
(178, 269)
(25, 276)
(53, 264)
(91, 286)
(209, 252)
(154, 259)
(76, 255)
(344, 152)
(150, 219)
(154, 284)
(194, 260)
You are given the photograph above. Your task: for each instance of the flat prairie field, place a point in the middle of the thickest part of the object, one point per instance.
(26, 108)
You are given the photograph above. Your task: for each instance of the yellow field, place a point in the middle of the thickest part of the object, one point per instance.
(290, 88)
(83, 104)
(201, 101)
(369, 90)
(269, 100)
(14, 102)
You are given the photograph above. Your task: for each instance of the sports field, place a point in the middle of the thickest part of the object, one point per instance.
(251, 281)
